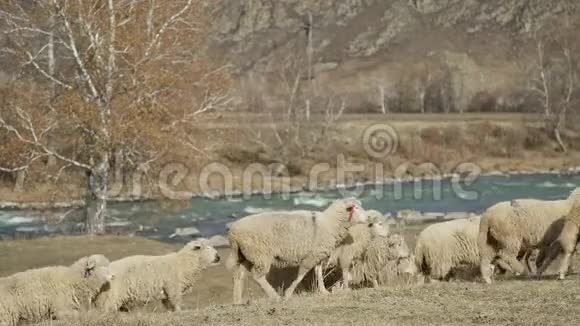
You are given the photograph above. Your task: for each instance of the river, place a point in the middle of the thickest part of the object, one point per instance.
(157, 219)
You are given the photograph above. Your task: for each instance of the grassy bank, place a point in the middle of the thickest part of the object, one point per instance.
(494, 142)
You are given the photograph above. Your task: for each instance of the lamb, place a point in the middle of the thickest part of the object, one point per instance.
(300, 239)
(444, 246)
(56, 292)
(510, 228)
(384, 259)
(354, 246)
(143, 279)
(565, 245)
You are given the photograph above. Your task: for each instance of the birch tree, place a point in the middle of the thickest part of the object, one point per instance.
(554, 79)
(130, 74)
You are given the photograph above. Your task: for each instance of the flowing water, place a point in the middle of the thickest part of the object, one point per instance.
(158, 220)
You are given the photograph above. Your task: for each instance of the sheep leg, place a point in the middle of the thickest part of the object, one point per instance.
(320, 279)
(375, 283)
(239, 277)
(564, 265)
(301, 273)
(551, 253)
(173, 298)
(259, 272)
(503, 265)
(511, 260)
(260, 278)
(486, 270)
(531, 259)
(440, 271)
(268, 289)
(487, 254)
(568, 240)
(346, 278)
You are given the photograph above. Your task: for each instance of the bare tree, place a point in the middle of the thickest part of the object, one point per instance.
(125, 69)
(554, 81)
(307, 117)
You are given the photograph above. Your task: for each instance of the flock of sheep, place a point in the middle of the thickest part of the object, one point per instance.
(343, 237)
(93, 282)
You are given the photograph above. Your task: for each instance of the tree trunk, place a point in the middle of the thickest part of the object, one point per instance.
(119, 179)
(96, 205)
(559, 139)
(382, 99)
(558, 127)
(19, 184)
(51, 70)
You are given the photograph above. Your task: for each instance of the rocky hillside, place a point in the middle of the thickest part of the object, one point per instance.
(406, 55)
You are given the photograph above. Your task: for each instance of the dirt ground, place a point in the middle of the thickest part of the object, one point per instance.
(511, 301)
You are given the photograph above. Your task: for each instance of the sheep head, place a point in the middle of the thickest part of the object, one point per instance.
(88, 265)
(377, 224)
(407, 266)
(208, 255)
(349, 209)
(95, 270)
(397, 247)
(103, 274)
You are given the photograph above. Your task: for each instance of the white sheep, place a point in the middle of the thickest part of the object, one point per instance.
(445, 246)
(300, 239)
(143, 279)
(511, 228)
(55, 292)
(383, 260)
(565, 245)
(353, 247)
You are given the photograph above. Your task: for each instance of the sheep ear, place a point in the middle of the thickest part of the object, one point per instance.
(350, 207)
(91, 263)
(89, 267)
(196, 244)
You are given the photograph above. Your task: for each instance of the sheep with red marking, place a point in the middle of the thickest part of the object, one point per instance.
(300, 239)
(354, 246)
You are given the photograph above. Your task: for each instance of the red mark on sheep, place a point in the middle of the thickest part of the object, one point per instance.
(351, 210)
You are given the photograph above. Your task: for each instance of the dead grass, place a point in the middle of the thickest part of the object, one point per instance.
(529, 302)
(508, 302)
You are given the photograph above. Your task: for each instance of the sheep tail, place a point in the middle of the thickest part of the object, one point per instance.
(235, 256)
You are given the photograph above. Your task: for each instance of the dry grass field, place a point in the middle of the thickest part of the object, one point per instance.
(528, 302)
